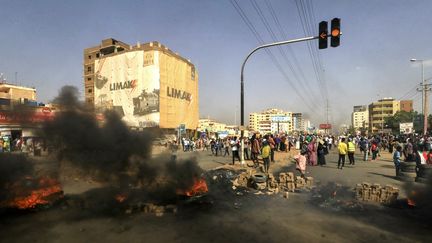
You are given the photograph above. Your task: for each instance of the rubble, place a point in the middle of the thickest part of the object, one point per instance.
(285, 182)
(376, 193)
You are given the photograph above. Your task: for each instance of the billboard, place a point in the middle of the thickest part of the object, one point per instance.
(148, 89)
(124, 84)
(406, 128)
(325, 126)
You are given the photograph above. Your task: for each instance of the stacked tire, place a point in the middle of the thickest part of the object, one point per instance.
(424, 172)
(408, 171)
(259, 181)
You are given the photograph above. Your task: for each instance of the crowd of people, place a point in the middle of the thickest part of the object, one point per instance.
(28, 145)
(312, 149)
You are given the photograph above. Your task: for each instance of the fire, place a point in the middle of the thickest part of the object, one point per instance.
(120, 198)
(29, 193)
(410, 201)
(198, 188)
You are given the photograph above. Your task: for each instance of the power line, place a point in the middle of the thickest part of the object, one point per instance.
(272, 57)
(274, 38)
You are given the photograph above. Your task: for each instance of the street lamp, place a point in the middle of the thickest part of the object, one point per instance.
(424, 90)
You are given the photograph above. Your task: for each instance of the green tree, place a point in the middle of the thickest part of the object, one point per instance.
(403, 116)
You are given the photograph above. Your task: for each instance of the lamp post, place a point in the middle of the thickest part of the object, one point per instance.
(242, 83)
(424, 90)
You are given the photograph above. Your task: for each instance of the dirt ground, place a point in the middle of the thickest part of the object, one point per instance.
(228, 215)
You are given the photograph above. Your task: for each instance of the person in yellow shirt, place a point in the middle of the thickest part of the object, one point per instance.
(343, 149)
(265, 153)
(351, 151)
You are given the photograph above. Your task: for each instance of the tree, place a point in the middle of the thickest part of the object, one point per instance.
(402, 117)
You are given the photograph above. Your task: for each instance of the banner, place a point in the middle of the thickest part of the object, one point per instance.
(129, 84)
(406, 128)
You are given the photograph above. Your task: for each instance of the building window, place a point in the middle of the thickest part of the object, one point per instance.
(97, 55)
(89, 69)
(88, 79)
(89, 57)
(89, 90)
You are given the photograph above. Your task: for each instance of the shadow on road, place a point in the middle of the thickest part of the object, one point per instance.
(388, 176)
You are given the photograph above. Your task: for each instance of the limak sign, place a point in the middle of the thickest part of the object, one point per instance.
(179, 94)
(130, 84)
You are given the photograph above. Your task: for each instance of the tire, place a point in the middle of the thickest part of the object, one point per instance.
(408, 167)
(424, 171)
(259, 178)
(421, 180)
(407, 176)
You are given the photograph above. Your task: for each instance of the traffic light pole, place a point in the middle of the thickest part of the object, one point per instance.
(242, 83)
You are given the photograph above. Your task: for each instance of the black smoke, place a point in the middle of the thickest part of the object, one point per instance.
(112, 153)
(13, 168)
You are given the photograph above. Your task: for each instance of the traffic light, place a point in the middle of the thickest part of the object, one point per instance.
(335, 32)
(322, 40)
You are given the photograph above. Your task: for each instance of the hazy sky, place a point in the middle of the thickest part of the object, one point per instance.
(43, 42)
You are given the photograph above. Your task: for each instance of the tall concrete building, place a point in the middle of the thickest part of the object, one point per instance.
(148, 85)
(298, 123)
(383, 108)
(271, 121)
(360, 117)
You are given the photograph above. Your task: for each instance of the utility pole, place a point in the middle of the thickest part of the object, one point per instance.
(425, 88)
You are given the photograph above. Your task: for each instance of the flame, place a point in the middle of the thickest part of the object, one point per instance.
(198, 188)
(120, 198)
(27, 198)
(411, 201)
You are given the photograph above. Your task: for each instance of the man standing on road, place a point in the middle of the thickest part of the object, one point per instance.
(351, 151)
(272, 144)
(235, 150)
(330, 142)
(255, 150)
(342, 148)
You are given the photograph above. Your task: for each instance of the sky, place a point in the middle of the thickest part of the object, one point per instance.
(42, 42)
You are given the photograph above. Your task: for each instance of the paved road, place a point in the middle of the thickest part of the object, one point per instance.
(379, 171)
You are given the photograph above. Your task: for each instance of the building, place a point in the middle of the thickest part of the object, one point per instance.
(20, 113)
(360, 117)
(406, 105)
(298, 124)
(11, 95)
(383, 108)
(210, 125)
(147, 84)
(271, 121)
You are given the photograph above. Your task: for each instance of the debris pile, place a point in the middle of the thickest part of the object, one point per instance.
(285, 182)
(376, 193)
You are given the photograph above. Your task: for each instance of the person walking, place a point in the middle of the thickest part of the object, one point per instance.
(301, 163)
(321, 152)
(226, 147)
(266, 154)
(374, 150)
(312, 152)
(342, 149)
(351, 151)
